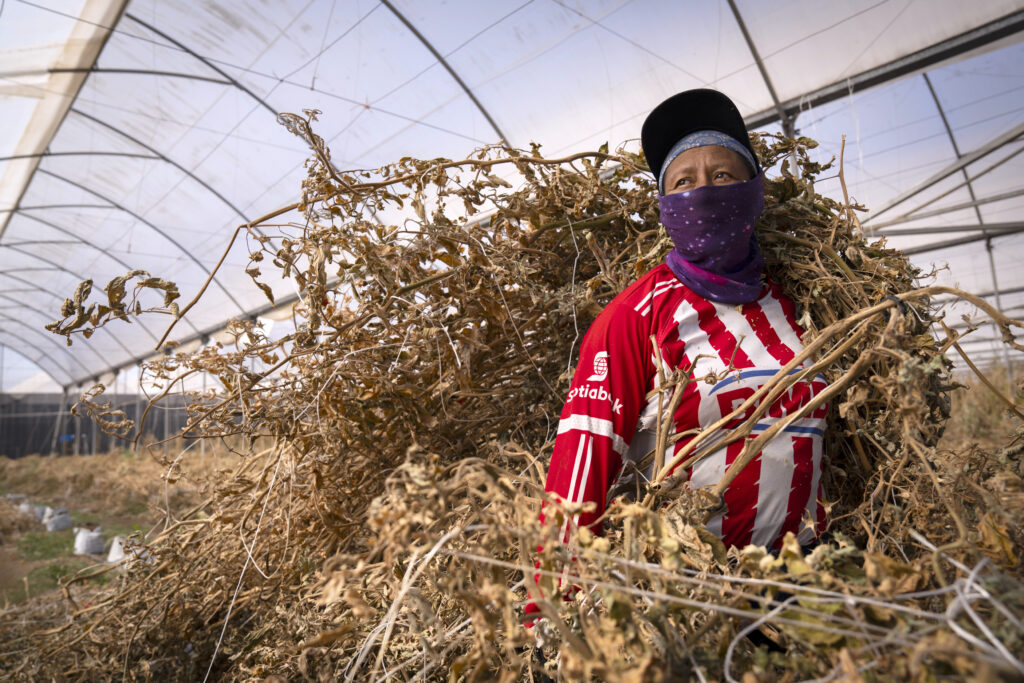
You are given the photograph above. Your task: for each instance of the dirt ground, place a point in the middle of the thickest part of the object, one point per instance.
(123, 492)
(13, 571)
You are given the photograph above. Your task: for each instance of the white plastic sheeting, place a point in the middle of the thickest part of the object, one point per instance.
(171, 142)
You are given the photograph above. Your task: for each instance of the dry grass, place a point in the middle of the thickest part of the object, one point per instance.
(119, 483)
(979, 417)
(124, 493)
(12, 522)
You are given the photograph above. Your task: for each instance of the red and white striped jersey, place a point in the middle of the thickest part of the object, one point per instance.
(733, 350)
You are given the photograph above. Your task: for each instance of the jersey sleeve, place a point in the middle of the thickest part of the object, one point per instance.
(599, 418)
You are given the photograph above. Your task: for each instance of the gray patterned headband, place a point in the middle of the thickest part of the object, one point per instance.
(704, 138)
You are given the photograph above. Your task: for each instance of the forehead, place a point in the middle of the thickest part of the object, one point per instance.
(706, 154)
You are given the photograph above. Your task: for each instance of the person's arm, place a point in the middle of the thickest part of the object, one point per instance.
(600, 414)
(599, 419)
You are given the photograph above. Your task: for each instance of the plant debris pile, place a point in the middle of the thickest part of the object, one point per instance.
(385, 522)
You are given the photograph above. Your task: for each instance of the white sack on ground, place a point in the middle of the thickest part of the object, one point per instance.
(58, 520)
(116, 553)
(88, 541)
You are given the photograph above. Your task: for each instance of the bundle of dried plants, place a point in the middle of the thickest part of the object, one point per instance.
(384, 523)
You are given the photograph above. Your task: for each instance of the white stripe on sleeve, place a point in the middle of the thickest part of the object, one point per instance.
(583, 481)
(571, 497)
(596, 426)
(576, 470)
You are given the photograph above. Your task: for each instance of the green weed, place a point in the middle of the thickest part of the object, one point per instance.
(46, 545)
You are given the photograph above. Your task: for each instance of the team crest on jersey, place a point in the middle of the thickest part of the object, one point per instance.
(600, 367)
(729, 394)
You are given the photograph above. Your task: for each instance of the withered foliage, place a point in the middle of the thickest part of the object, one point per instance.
(113, 421)
(390, 528)
(80, 316)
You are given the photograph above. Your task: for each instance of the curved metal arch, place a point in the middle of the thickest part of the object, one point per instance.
(32, 285)
(54, 264)
(27, 243)
(48, 316)
(443, 62)
(40, 155)
(165, 158)
(70, 355)
(966, 160)
(103, 251)
(39, 333)
(57, 206)
(784, 118)
(974, 200)
(88, 53)
(20, 351)
(924, 58)
(40, 311)
(952, 141)
(142, 220)
(935, 246)
(8, 271)
(94, 70)
(202, 60)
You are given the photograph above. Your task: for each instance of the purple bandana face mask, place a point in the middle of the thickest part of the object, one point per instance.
(716, 252)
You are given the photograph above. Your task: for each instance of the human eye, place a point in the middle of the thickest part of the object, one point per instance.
(724, 177)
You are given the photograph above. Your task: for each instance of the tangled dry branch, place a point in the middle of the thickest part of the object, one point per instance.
(389, 528)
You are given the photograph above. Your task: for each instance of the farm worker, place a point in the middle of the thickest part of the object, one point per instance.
(710, 311)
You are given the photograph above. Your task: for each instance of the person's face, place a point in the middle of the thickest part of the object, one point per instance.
(708, 165)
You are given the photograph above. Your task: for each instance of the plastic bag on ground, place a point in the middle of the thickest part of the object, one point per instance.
(116, 553)
(88, 541)
(57, 519)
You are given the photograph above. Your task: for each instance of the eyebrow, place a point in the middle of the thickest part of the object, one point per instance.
(690, 167)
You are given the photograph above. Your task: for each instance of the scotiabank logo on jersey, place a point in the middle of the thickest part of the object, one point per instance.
(595, 393)
(600, 367)
(724, 397)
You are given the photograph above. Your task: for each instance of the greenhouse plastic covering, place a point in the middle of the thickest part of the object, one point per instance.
(141, 134)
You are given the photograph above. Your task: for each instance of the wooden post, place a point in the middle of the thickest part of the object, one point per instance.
(94, 430)
(167, 429)
(202, 441)
(60, 419)
(138, 403)
(78, 436)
